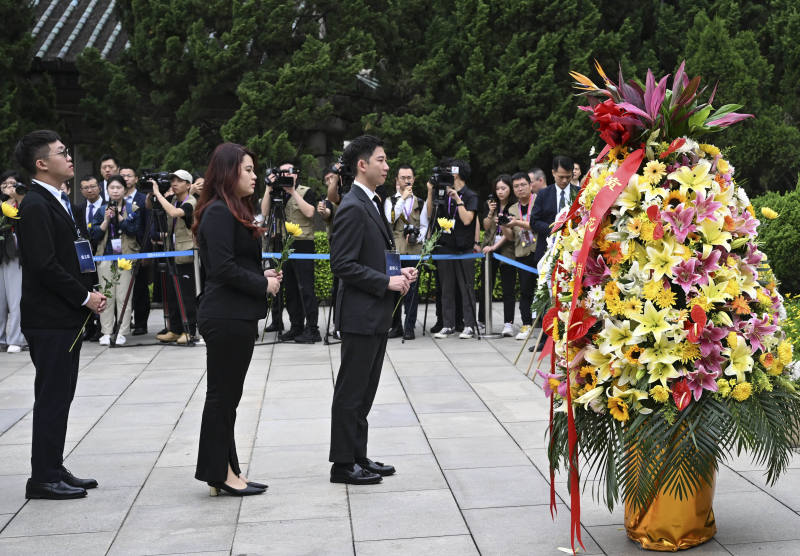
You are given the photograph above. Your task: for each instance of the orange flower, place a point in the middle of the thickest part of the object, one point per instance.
(612, 253)
(730, 225)
(740, 305)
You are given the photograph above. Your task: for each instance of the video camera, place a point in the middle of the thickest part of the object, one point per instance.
(346, 177)
(503, 219)
(441, 179)
(162, 179)
(282, 178)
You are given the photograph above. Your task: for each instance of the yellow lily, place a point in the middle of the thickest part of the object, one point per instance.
(617, 337)
(652, 320)
(630, 198)
(446, 224)
(695, 179)
(714, 233)
(715, 293)
(600, 361)
(589, 396)
(662, 261)
(740, 356)
(663, 351)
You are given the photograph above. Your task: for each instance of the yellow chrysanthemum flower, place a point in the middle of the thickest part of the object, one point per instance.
(768, 213)
(124, 264)
(618, 409)
(699, 300)
(652, 289)
(711, 150)
(723, 387)
(654, 171)
(785, 352)
(666, 298)
(733, 288)
(9, 211)
(555, 330)
(631, 306)
(659, 393)
(293, 229)
(742, 391)
(688, 351)
(446, 224)
(723, 167)
(646, 232)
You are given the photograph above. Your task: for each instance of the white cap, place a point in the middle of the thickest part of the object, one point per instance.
(182, 175)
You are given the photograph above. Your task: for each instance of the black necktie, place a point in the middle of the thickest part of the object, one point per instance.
(377, 200)
(562, 201)
(90, 216)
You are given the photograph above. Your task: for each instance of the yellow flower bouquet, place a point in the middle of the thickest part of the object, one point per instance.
(667, 353)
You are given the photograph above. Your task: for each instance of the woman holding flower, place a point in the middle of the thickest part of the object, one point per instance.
(233, 301)
(115, 229)
(10, 269)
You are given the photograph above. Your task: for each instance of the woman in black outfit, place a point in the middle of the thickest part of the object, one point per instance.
(233, 300)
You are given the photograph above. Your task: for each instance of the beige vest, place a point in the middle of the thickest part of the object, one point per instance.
(184, 241)
(295, 215)
(397, 225)
(129, 244)
(490, 236)
(524, 240)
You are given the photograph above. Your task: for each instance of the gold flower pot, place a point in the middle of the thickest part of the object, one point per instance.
(668, 524)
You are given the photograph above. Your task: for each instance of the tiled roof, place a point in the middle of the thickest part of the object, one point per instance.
(64, 28)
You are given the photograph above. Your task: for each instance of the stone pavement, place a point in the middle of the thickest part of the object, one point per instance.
(462, 424)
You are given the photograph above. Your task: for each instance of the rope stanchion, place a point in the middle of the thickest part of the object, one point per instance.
(512, 262)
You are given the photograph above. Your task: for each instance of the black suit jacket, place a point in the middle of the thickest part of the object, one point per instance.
(234, 286)
(53, 287)
(359, 242)
(544, 214)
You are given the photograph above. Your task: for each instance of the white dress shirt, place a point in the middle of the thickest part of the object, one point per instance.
(371, 194)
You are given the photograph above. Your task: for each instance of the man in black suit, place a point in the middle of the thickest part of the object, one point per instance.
(140, 297)
(85, 213)
(550, 201)
(55, 302)
(359, 259)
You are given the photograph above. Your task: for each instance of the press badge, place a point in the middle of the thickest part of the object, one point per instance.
(116, 245)
(85, 259)
(393, 263)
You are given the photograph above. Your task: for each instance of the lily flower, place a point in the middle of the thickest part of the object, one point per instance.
(715, 293)
(708, 264)
(696, 178)
(700, 380)
(739, 354)
(662, 261)
(652, 320)
(706, 206)
(681, 220)
(755, 330)
(710, 338)
(596, 271)
(714, 234)
(617, 337)
(686, 275)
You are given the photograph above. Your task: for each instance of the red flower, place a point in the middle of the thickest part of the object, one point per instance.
(613, 123)
(675, 145)
(681, 394)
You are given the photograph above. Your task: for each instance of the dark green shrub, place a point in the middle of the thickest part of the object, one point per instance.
(780, 238)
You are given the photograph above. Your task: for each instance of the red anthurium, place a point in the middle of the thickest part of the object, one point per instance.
(696, 328)
(658, 231)
(548, 321)
(654, 214)
(681, 394)
(581, 323)
(674, 146)
(699, 316)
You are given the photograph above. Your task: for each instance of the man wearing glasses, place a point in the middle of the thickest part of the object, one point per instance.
(55, 303)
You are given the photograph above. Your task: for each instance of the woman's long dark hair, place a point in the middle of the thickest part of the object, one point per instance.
(221, 179)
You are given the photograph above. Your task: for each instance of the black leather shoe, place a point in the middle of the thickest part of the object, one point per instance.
(290, 335)
(395, 332)
(249, 490)
(408, 335)
(354, 475)
(309, 336)
(74, 481)
(52, 491)
(376, 467)
(254, 484)
(436, 327)
(139, 331)
(274, 327)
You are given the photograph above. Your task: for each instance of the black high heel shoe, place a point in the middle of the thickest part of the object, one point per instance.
(249, 490)
(257, 485)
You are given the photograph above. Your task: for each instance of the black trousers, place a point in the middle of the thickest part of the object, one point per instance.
(457, 276)
(54, 388)
(353, 394)
(185, 274)
(301, 301)
(229, 349)
(527, 288)
(508, 278)
(409, 304)
(141, 294)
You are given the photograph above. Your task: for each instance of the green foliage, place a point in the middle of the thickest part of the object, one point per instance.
(780, 238)
(676, 453)
(792, 323)
(26, 99)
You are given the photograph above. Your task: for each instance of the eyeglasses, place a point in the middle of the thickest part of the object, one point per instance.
(65, 153)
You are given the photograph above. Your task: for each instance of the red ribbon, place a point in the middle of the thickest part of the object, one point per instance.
(600, 207)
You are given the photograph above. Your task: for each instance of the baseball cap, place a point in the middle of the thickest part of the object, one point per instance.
(182, 175)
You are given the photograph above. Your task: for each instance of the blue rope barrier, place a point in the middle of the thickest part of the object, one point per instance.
(152, 255)
(512, 262)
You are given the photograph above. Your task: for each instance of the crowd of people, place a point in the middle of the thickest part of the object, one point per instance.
(122, 214)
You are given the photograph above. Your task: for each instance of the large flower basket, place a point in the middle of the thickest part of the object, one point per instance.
(667, 353)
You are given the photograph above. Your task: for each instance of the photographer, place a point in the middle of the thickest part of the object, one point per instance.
(327, 210)
(12, 340)
(460, 206)
(179, 211)
(298, 283)
(495, 241)
(115, 229)
(409, 224)
(519, 231)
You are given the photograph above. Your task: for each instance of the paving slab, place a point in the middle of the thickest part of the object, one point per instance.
(455, 545)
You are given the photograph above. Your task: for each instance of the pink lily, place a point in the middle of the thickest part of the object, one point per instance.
(686, 274)
(596, 271)
(753, 256)
(756, 329)
(681, 220)
(706, 206)
(712, 363)
(710, 339)
(700, 380)
(708, 266)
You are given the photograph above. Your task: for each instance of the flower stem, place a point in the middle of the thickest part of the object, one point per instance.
(80, 332)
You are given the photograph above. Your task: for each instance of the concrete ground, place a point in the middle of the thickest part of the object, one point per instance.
(462, 424)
